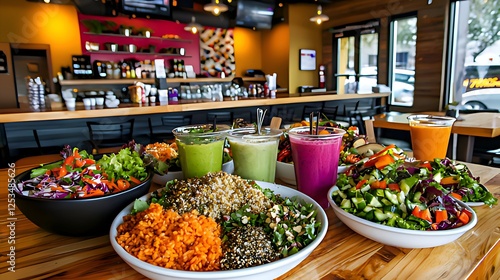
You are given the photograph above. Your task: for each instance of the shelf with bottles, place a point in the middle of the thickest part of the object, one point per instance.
(173, 39)
(79, 82)
(134, 53)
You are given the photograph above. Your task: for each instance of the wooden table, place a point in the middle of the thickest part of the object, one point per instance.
(342, 254)
(467, 128)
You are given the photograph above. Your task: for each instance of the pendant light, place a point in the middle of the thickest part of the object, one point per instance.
(193, 27)
(215, 8)
(319, 17)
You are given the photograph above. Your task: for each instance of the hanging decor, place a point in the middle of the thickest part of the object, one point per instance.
(215, 8)
(319, 17)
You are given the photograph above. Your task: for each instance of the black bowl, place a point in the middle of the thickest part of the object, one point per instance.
(78, 217)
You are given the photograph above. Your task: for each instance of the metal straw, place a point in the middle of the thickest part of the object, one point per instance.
(317, 123)
(260, 118)
(311, 116)
(215, 123)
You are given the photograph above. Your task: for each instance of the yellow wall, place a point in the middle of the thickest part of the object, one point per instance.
(304, 34)
(275, 52)
(40, 23)
(247, 52)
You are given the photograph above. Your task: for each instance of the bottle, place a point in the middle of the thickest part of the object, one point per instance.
(321, 75)
(266, 90)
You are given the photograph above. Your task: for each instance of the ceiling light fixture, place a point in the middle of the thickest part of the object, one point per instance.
(319, 17)
(215, 8)
(193, 27)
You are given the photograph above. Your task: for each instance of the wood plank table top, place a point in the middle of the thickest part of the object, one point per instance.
(343, 254)
(477, 124)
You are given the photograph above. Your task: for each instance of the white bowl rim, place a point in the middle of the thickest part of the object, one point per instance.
(447, 232)
(225, 274)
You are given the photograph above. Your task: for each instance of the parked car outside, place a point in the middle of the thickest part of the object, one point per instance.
(481, 87)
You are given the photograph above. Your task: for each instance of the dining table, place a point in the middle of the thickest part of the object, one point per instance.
(29, 252)
(464, 130)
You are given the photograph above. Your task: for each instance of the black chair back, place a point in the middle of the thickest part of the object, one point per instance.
(110, 134)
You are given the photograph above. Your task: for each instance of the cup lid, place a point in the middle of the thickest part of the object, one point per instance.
(249, 134)
(200, 129)
(303, 131)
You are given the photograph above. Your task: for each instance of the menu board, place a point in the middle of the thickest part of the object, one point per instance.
(307, 59)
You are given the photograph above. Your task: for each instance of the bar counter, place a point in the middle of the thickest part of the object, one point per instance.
(24, 114)
(343, 254)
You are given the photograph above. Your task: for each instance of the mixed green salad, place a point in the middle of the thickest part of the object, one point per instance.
(387, 189)
(79, 175)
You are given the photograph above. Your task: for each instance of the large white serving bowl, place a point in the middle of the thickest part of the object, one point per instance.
(266, 271)
(227, 167)
(398, 237)
(286, 173)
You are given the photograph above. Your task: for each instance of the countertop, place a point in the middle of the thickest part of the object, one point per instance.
(25, 114)
(343, 254)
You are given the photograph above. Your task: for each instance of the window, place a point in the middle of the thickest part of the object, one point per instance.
(474, 60)
(355, 64)
(402, 60)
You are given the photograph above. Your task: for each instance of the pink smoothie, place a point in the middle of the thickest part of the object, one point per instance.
(315, 161)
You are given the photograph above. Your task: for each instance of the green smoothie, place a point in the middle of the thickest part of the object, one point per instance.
(199, 159)
(254, 155)
(200, 149)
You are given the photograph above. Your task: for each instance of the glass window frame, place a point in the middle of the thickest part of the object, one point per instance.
(392, 58)
(355, 30)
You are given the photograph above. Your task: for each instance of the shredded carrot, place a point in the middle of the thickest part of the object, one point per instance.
(463, 217)
(379, 184)
(441, 215)
(394, 187)
(166, 239)
(134, 180)
(450, 180)
(456, 195)
(383, 161)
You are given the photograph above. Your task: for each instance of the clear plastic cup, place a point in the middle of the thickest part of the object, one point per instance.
(430, 136)
(254, 154)
(316, 160)
(200, 148)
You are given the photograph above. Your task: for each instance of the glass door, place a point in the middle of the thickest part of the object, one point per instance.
(355, 64)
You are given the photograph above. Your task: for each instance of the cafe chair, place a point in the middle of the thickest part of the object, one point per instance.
(330, 113)
(110, 135)
(53, 140)
(285, 113)
(163, 132)
(347, 112)
(220, 117)
(307, 110)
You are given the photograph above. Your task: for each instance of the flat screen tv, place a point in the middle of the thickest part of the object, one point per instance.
(255, 14)
(147, 7)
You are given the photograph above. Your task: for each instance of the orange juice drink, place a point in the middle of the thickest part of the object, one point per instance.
(430, 136)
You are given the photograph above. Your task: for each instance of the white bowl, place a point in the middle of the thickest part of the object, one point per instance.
(398, 237)
(227, 167)
(266, 271)
(286, 173)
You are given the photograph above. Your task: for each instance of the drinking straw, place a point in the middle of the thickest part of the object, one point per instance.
(260, 118)
(317, 123)
(311, 116)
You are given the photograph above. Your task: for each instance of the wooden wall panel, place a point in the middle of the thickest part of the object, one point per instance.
(431, 43)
